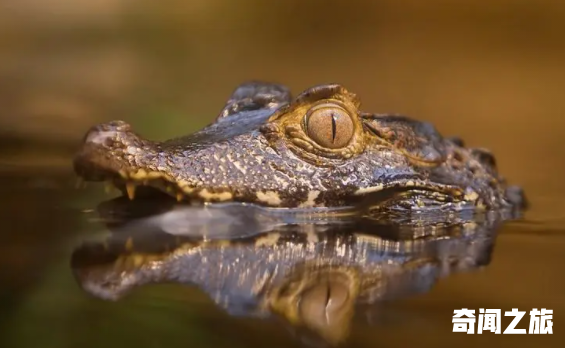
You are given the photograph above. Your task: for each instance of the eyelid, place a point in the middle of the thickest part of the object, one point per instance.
(327, 104)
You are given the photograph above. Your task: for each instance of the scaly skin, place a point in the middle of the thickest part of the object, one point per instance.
(262, 149)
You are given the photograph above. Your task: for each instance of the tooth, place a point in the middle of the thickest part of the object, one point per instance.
(179, 197)
(130, 188)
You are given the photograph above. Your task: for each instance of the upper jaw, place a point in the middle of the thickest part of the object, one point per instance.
(227, 169)
(138, 181)
(111, 152)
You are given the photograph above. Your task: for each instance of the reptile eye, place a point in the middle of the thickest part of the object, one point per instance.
(329, 125)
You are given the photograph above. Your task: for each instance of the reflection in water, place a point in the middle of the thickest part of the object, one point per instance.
(313, 273)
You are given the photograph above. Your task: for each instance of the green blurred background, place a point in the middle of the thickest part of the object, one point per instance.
(492, 72)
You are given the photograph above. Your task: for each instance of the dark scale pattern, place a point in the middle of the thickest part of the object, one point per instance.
(258, 151)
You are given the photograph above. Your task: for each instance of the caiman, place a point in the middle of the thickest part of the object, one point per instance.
(318, 149)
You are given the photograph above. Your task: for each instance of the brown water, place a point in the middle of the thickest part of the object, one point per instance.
(491, 72)
(44, 306)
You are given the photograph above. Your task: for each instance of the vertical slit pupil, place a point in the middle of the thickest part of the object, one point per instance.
(334, 126)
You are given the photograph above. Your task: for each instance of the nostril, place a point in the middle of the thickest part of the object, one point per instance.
(119, 126)
(105, 133)
(97, 136)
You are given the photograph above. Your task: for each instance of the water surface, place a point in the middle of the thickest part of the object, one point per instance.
(516, 266)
